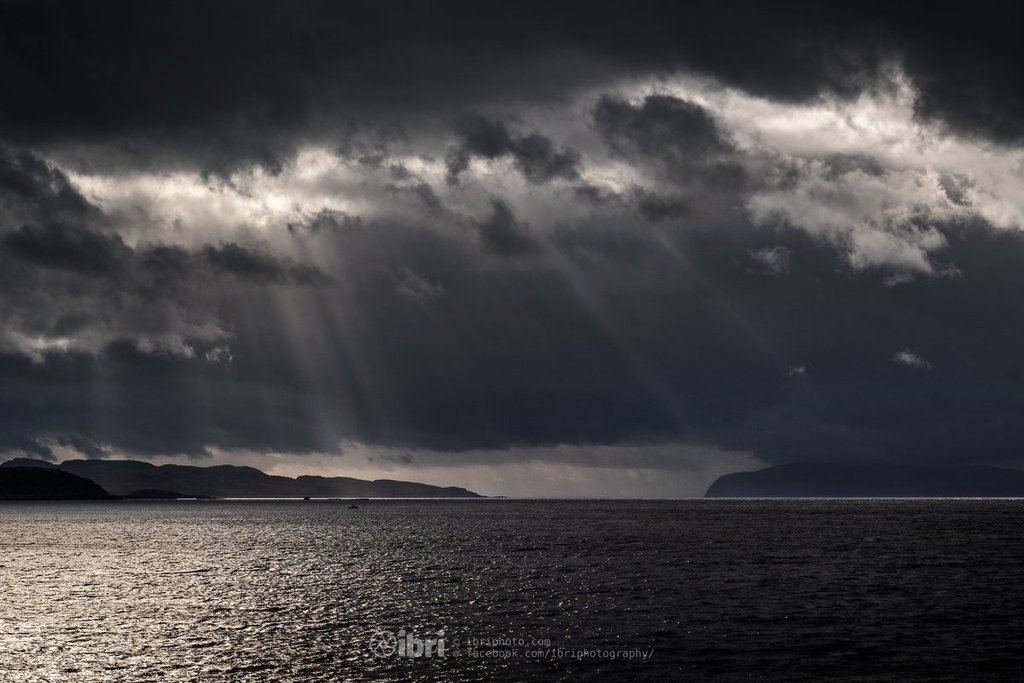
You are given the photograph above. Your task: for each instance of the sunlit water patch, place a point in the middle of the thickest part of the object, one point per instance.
(511, 590)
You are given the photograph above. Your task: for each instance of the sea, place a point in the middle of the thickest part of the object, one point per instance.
(513, 590)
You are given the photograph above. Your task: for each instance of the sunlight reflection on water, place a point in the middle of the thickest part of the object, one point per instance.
(227, 591)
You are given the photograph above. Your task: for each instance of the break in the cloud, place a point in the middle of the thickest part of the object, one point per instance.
(72, 284)
(558, 250)
(867, 174)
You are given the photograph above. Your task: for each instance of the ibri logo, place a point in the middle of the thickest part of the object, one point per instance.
(406, 644)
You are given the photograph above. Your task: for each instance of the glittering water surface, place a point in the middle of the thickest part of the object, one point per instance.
(523, 590)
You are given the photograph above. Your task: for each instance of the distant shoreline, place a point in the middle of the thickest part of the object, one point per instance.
(143, 480)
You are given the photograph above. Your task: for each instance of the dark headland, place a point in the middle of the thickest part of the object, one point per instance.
(833, 480)
(135, 479)
(35, 483)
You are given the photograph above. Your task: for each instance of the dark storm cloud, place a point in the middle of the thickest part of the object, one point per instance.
(73, 247)
(421, 191)
(593, 194)
(680, 132)
(627, 341)
(33, 190)
(255, 266)
(501, 234)
(714, 344)
(680, 138)
(697, 167)
(160, 415)
(509, 357)
(658, 207)
(91, 253)
(229, 83)
(534, 155)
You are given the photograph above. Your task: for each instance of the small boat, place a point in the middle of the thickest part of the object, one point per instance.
(353, 506)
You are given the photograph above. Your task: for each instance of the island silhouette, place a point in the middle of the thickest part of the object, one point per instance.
(870, 480)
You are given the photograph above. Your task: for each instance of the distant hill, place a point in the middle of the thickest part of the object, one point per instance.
(28, 462)
(123, 477)
(831, 480)
(47, 483)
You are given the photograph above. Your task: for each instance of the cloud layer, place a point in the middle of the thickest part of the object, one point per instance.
(493, 243)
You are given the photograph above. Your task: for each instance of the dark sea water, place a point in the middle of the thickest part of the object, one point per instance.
(852, 590)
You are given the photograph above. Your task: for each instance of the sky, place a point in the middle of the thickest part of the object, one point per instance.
(558, 248)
